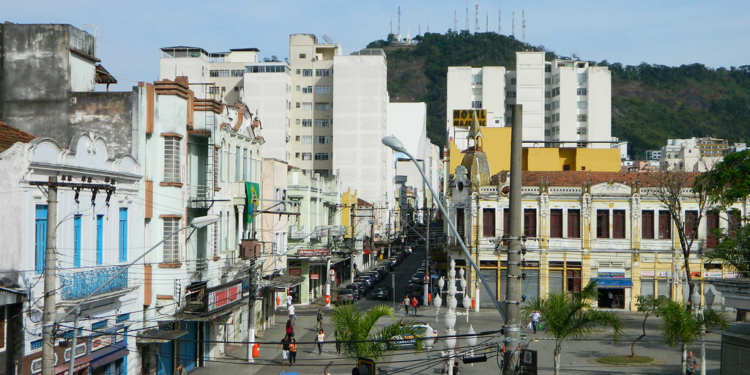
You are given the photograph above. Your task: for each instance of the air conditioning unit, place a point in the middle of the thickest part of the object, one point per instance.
(250, 249)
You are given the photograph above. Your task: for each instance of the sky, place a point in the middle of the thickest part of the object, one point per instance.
(665, 32)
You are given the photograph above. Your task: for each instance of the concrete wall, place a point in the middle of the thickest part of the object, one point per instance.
(267, 95)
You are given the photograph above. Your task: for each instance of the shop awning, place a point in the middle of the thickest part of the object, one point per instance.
(160, 336)
(216, 315)
(80, 364)
(108, 355)
(284, 281)
(613, 283)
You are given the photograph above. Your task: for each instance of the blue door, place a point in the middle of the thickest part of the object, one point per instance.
(165, 359)
(189, 345)
(99, 239)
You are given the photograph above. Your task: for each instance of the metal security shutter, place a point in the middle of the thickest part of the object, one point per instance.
(484, 298)
(735, 360)
(165, 359)
(647, 287)
(530, 286)
(556, 281)
(189, 346)
(664, 288)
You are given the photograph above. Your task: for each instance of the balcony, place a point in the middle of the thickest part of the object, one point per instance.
(77, 285)
(200, 196)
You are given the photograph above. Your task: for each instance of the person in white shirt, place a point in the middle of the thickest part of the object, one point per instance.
(535, 316)
(292, 317)
(320, 340)
(288, 300)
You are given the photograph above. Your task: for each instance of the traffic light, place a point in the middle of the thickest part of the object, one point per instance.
(364, 367)
(480, 358)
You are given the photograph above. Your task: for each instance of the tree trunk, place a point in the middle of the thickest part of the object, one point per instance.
(558, 349)
(632, 346)
(683, 362)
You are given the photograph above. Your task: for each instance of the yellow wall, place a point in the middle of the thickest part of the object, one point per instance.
(348, 198)
(497, 149)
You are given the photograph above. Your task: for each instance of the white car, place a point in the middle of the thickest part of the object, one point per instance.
(408, 341)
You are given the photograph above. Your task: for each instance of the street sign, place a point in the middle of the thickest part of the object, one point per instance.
(332, 272)
(528, 362)
(426, 278)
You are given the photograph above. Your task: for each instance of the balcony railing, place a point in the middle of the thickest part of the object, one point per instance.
(200, 196)
(77, 285)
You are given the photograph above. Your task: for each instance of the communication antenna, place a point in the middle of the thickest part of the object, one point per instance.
(467, 16)
(513, 24)
(96, 38)
(455, 20)
(328, 39)
(391, 26)
(476, 18)
(487, 22)
(523, 26)
(499, 21)
(399, 21)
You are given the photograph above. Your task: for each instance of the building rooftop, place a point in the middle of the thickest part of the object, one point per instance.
(10, 135)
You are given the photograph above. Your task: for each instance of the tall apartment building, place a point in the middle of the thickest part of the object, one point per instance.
(565, 103)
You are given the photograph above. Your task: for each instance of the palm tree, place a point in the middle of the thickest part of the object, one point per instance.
(681, 326)
(571, 317)
(355, 330)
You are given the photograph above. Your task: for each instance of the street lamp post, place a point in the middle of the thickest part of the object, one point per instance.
(695, 300)
(395, 144)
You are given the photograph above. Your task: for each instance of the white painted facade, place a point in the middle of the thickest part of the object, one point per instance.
(88, 234)
(267, 91)
(565, 103)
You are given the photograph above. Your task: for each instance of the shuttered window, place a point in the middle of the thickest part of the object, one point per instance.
(529, 222)
(574, 223)
(647, 225)
(665, 225)
(618, 224)
(488, 222)
(712, 225)
(691, 224)
(602, 223)
(555, 223)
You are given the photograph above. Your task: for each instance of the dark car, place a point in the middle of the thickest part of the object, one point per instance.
(383, 271)
(361, 287)
(381, 292)
(345, 296)
(418, 278)
(355, 289)
(375, 275)
(367, 280)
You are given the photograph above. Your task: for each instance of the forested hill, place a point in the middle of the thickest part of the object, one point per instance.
(650, 103)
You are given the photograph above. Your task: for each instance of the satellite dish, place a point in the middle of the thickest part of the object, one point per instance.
(328, 39)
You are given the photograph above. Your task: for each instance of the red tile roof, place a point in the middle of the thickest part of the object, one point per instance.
(577, 178)
(10, 135)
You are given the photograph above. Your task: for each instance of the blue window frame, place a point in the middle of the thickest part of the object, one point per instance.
(99, 239)
(41, 237)
(77, 241)
(123, 239)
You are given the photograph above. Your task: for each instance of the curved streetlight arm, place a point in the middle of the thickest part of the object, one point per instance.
(395, 144)
(198, 222)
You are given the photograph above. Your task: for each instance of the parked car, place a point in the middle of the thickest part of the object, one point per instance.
(409, 341)
(382, 292)
(414, 289)
(375, 275)
(355, 289)
(418, 278)
(345, 296)
(383, 271)
(361, 287)
(367, 279)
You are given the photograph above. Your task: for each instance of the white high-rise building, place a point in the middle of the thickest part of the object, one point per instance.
(565, 103)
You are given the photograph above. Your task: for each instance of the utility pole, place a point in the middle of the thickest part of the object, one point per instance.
(50, 278)
(513, 283)
(427, 257)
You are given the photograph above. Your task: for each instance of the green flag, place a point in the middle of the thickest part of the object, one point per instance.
(252, 197)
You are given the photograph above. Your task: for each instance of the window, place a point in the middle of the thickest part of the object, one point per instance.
(171, 244)
(582, 145)
(99, 240)
(691, 224)
(307, 90)
(488, 222)
(647, 225)
(665, 225)
(172, 158)
(322, 123)
(460, 224)
(298, 71)
(555, 223)
(238, 72)
(237, 164)
(511, 94)
(477, 91)
(322, 72)
(323, 139)
(307, 122)
(306, 156)
(512, 81)
(581, 131)
(298, 88)
(574, 223)
(307, 72)
(581, 91)
(476, 104)
(322, 106)
(40, 237)
(602, 223)
(476, 79)
(582, 118)
(573, 280)
(122, 242)
(547, 94)
(302, 55)
(618, 223)
(307, 106)
(582, 77)
(712, 225)
(322, 89)
(245, 164)
(219, 73)
(582, 104)
(529, 222)
(77, 241)
(734, 222)
(306, 139)
(321, 156)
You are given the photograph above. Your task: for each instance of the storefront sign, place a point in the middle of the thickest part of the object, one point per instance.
(712, 274)
(100, 342)
(611, 272)
(663, 274)
(732, 275)
(221, 298)
(313, 252)
(295, 272)
(314, 276)
(647, 273)
(464, 117)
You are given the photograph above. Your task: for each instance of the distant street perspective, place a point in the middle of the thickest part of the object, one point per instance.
(459, 203)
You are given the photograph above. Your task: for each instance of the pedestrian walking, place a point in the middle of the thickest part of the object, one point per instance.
(292, 317)
(319, 325)
(338, 342)
(180, 370)
(454, 370)
(414, 304)
(691, 364)
(288, 299)
(289, 328)
(292, 352)
(320, 340)
(535, 316)
(407, 303)
(284, 346)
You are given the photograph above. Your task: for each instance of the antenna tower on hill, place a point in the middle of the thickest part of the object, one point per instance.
(499, 21)
(399, 21)
(523, 26)
(455, 20)
(476, 18)
(467, 16)
(513, 24)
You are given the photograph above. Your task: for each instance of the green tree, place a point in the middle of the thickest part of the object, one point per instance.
(648, 305)
(357, 334)
(682, 326)
(571, 317)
